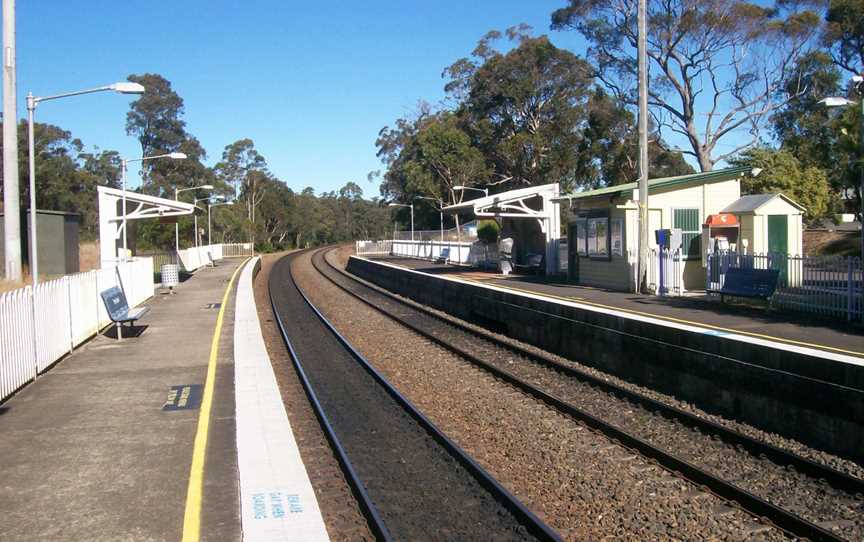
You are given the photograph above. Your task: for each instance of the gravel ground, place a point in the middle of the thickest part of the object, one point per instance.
(805, 496)
(583, 485)
(342, 517)
(417, 486)
(340, 258)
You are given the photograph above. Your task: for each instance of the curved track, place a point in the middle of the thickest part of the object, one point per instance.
(412, 481)
(804, 498)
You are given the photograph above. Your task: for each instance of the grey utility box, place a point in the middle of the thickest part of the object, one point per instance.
(57, 242)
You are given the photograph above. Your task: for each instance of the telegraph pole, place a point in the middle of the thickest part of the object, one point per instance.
(11, 205)
(641, 282)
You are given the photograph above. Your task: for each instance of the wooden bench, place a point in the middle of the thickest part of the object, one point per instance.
(118, 309)
(753, 283)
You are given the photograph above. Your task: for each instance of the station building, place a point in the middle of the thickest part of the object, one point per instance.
(706, 207)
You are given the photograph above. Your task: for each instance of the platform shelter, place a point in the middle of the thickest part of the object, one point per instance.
(527, 215)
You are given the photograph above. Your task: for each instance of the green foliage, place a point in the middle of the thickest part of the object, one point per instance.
(844, 34)
(488, 231)
(782, 172)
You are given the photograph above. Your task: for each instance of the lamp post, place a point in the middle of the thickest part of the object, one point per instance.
(834, 101)
(124, 165)
(440, 210)
(123, 87)
(177, 226)
(411, 206)
(210, 206)
(195, 216)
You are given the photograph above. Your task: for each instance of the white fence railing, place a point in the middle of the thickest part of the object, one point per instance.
(40, 325)
(665, 272)
(454, 251)
(467, 233)
(373, 248)
(827, 285)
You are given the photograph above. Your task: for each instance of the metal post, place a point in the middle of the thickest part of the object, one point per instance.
(176, 227)
(123, 166)
(11, 193)
(34, 251)
(643, 144)
(412, 221)
(196, 227)
(209, 232)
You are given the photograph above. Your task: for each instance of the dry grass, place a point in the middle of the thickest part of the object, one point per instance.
(7, 285)
(88, 256)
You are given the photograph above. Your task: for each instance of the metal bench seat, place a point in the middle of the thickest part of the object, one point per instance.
(118, 309)
(753, 283)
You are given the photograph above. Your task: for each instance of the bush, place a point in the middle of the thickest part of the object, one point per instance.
(488, 230)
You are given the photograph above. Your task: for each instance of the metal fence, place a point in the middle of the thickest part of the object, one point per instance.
(373, 248)
(40, 325)
(825, 285)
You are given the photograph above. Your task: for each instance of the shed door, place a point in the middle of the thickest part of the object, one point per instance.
(778, 233)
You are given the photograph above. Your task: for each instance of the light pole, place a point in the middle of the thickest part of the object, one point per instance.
(124, 164)
(177, 225)
(411, 206)
(195, 215)
(440, 210)
(123, 87)
(210, 206)
(834, 101)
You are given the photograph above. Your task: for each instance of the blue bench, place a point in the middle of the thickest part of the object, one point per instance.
(445, 255)
(753, 283)
(118, 309)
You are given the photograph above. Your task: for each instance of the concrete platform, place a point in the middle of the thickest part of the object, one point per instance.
(784, 328)
(100, 447)
(801, 379)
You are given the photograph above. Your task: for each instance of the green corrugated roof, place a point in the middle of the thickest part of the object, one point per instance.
(663, 182)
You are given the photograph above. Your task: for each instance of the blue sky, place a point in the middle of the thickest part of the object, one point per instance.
(311, 83)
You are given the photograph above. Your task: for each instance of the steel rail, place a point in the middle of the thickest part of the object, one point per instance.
(751, 503)
(527, 519)
(373, 517)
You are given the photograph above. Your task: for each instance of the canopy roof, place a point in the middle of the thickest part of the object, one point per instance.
(662, 182)
(503, 202)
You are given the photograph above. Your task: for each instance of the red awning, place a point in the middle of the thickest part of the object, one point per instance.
(722, 220)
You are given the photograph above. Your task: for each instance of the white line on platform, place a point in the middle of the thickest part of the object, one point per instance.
(277, 500)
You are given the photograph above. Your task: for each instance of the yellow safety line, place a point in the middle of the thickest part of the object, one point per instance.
(192, 516)
(676, 320)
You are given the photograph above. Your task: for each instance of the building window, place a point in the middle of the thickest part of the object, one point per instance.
(617, 237)
(687, 220)
(598, 237)
(582, 237)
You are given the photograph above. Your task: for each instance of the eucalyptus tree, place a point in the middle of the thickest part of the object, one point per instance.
(717, 66)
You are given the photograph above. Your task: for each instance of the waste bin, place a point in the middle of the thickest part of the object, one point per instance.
(170, 275)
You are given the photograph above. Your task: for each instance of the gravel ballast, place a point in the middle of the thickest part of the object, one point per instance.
(583, 485)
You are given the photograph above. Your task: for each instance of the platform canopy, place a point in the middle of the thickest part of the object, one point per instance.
(533, 202)
(138, 207)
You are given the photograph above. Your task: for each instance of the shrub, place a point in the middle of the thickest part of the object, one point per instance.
(488, 230)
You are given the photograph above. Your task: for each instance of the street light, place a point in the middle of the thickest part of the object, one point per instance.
(123, 87)
(461, 187)
(411, 206)
(209, 206)
(195, 216)
(177, 225)
(837, 101)
(124, 164)
(440, 210)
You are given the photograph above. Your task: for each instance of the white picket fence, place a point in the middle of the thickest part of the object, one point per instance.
(38, 326)
(832, 286)
(194, 257)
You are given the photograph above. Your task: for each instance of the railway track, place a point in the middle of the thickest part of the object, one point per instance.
(802, 497)
(412, 482)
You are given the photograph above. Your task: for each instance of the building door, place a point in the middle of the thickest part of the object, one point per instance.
(572, 253)
(778, 233)
(778, 248)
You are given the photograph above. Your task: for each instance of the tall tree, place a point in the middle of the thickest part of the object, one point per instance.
(717, 65)
(844, 34)
(524, 108)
